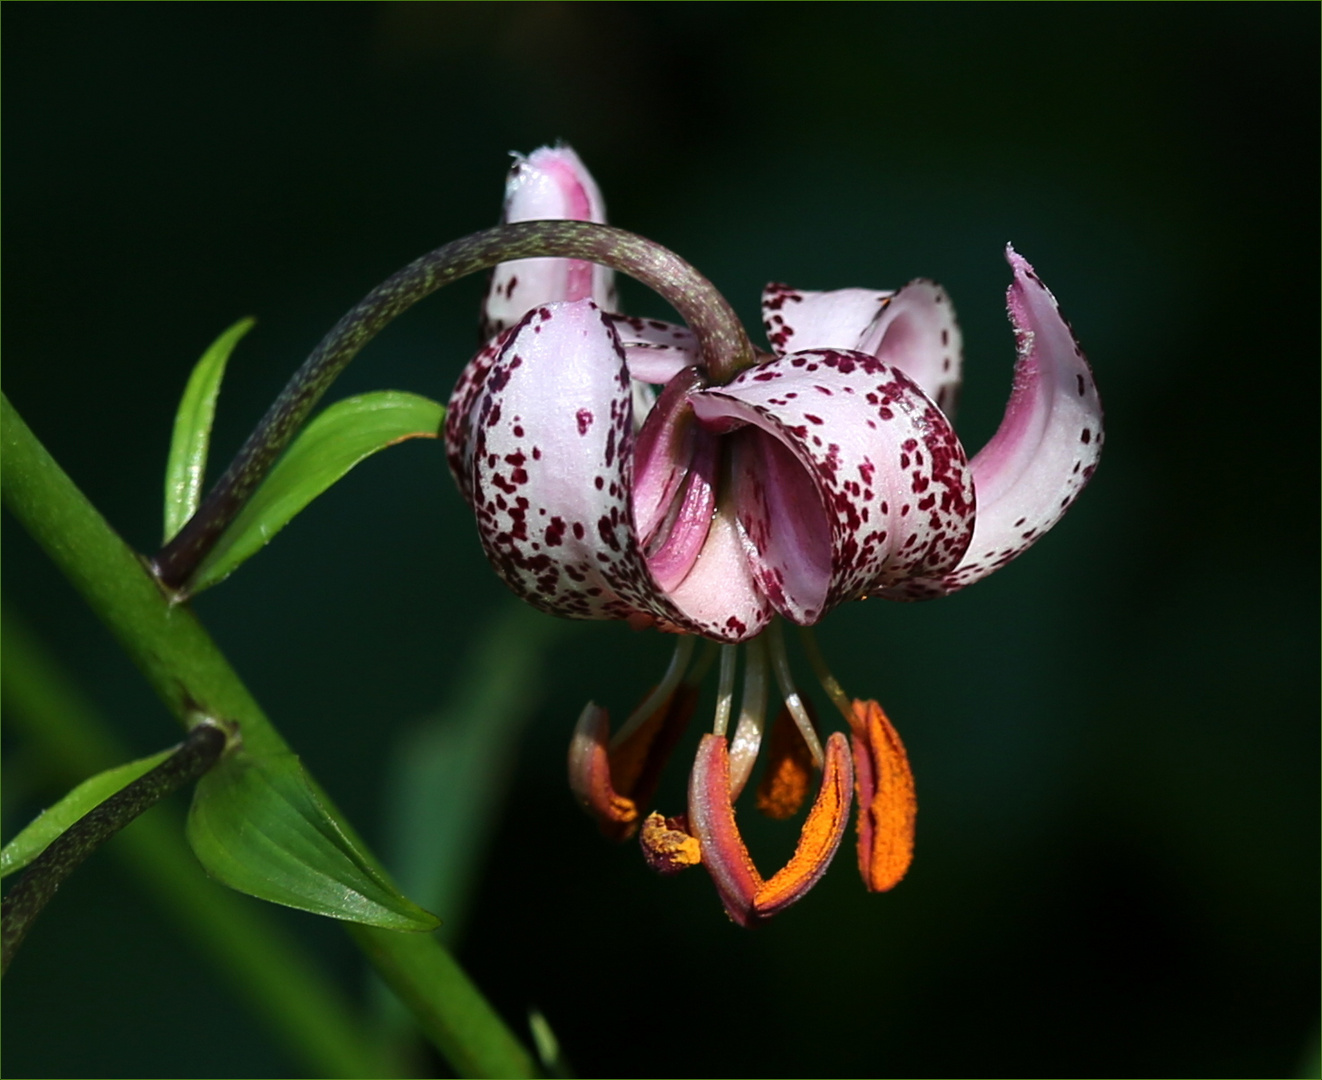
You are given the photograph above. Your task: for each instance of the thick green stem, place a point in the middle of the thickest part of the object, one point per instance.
(722, 340)
(42, 879)
(191, 675)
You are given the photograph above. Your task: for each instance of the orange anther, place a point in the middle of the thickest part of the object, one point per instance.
(667, 845)
(747, 897)
(590, 775)
(711, 817)
(611, 783)
(636, 763)
(788, 776)
(821, 834)
(887, 805)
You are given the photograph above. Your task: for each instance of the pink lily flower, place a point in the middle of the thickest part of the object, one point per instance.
(613, 477)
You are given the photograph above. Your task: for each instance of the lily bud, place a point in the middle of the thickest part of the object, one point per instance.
(548, 184)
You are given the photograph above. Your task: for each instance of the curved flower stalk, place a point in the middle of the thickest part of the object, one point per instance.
(614, 476)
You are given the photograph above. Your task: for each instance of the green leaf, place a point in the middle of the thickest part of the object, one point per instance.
(258, 826)
(51, 822)
(186, 466)
(331, 445)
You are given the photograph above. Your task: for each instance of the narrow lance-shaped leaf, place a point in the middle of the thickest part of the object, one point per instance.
(258, 826)
(51, 822)
(331, 445)
(186, 466)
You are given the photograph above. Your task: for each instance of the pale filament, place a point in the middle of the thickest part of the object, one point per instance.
(679, 662)
(725, 689)
(780, 664)
(833, 688)
(752, 717)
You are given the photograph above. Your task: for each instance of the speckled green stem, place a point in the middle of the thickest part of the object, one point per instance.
(721, 337)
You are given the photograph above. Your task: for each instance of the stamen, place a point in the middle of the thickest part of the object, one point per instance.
(833, 689)
(679, 662)
(703, 663)
(887, 805)
(752, 718)
(667, 845)
(781, 666)
(590, 773)
(636, 764)
(725, 689)
(788, 777)
(711, 817)
(821, 835)
(747, 897)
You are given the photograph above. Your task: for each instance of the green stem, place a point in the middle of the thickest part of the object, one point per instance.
(190, 674)
(268, 970)
(722, 340)
(43, 877)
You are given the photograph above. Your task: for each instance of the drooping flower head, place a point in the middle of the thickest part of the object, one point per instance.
(615, 474)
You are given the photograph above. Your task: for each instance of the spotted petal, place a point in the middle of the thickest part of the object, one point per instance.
(695, 556)
(551, 435)
(1046, 448)
(893, 498)
(459, 412)
(796, 320)
(656, 351)
(549, 183)
(917, 332)
(913, 329)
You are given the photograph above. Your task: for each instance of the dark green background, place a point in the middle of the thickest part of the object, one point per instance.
(1115, 738)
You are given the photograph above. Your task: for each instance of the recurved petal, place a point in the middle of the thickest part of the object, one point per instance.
(662, 454)
(550, 436)
(888, 473)
(656, 351)
(719, 597)
(783, 518)
(458, 413)
(550, 183)
(796, 320)
(696, 557)
(1046, 448)
(916, 331)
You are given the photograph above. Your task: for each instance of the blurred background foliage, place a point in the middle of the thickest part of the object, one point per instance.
(1115, 738)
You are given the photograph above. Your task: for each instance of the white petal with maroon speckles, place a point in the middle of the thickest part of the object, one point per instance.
(551, 435)
(719, 597)
(784, 522)
(656, 351)
(796, 320)
(550, 183)
(917, 332)
(674, 483)
(1046, 448)
(458, 413)
(888, 472)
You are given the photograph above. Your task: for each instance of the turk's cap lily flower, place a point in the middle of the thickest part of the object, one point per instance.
(812, 478)
(615, 476)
